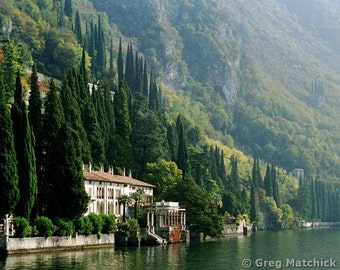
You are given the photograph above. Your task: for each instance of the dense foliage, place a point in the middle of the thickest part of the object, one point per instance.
(105, 106)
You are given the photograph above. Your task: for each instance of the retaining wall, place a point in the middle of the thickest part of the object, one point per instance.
(38, 244)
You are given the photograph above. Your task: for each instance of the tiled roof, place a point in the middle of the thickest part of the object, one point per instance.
(119, 179)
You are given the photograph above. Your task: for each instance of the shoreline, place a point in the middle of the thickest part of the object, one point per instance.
(12, 245)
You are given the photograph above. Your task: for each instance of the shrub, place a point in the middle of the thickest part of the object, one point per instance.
(133, 225)
(21, 226)
(97, 223)
(123, 226)
(63, 227)
(44, 226)
(84, 225)
(109, 223)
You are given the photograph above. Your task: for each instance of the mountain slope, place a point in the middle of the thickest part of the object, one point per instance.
(262, 76)
(261, 58)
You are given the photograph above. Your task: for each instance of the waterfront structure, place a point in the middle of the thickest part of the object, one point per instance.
(105, 189)
(166, 222)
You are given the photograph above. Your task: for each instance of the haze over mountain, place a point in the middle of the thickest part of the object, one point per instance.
(276, 63)
(262, 76)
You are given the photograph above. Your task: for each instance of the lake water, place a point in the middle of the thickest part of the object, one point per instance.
(296, 249)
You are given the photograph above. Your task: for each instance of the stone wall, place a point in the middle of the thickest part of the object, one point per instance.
(38, 244)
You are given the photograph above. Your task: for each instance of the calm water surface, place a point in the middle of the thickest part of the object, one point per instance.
(265, 250)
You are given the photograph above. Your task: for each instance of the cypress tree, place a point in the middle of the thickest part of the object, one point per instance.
(122, 114)
(94, 132)
(147, 137)
(34, 108)
(268, 185)
(84, 77)
(77, 28)
(9, 191)
(91, 46)
(145, 81)
(123, 149)
(100, 48)
(138, 74)
(183, 158)
(73, 115)
(153, 99)
(275, 185)
(24, 146)
(222, 169)
(68, 8)
(130, 69)
(36, 123)
(67, 197)
(10, 67)
(254, 211)
(53, 119)
(172, 142)
(234, 172)
(305, 202)
(120, 64)
(60, 15)
(111, 69)
(213, 167)
(110, 116)
(256, 174)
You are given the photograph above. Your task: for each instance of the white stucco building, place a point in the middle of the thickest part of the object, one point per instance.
(104, 189)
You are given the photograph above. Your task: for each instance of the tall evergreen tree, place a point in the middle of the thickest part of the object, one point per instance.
(147, 136)
(221, 170)
(77, 28)
(213, 167)
(68, 8)
(35, 110)
(24, 147)
(72, 114)
(138, 74)
(130, 70)
(145, 81)
(91, 46)
(67, 197)
(111, 68)
(256, 174)
(94, 132)
(120, 64)
(234, 172)
(275, 184)
(100, 48)
(53, 119)
(153, 97)
(182, 159)
(83, 77)
(304, 200)
(111, 128)
(36, 122)
(122, 113)
(10, 67)
(9, 191)
(268, 182)
(254, 207)
(172, 142)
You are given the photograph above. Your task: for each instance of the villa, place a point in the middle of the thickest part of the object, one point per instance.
(104, 189)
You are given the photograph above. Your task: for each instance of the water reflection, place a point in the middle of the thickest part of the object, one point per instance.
(226, 253)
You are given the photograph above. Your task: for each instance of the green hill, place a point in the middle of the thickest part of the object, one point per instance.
(274, 65)
(260, 76)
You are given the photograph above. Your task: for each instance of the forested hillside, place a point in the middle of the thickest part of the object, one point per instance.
(273, 64)
(224, 96)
